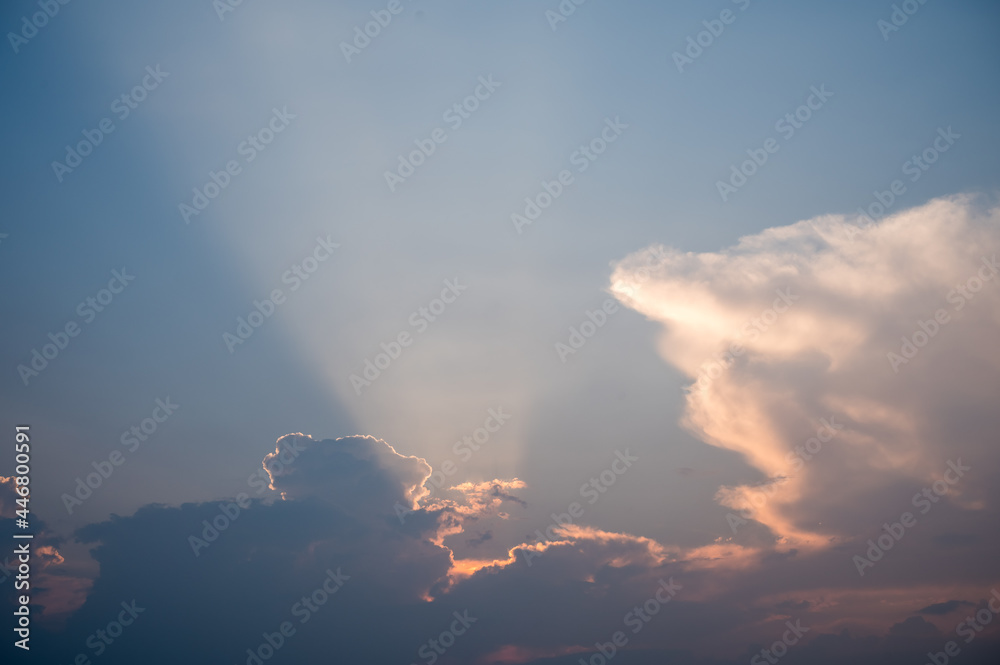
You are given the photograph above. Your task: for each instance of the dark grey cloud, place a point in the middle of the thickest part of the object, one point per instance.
(480, 539)
(947, 607)
(403, 587)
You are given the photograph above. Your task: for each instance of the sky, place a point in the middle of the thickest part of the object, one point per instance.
(525, 332)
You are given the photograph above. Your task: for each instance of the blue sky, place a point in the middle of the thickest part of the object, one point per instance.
(346, 123)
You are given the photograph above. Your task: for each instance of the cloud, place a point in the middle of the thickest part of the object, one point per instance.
(946, 607)
(794, 342)
(836, 442)
(479, 539)
(405, 583)
(336, 513)
(355, 473)
(8, 497)
(53, 592)
(915, 627)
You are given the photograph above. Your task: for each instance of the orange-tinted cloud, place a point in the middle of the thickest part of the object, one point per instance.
(803, 324)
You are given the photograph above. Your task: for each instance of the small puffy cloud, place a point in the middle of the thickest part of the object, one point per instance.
(8, 497)
(54, 591)
(470, 498)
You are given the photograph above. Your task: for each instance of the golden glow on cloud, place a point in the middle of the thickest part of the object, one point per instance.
(511, 654)
(795, 324)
